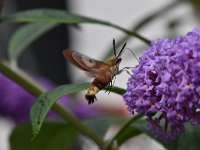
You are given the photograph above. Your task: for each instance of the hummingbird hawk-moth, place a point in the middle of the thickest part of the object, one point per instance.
(102, 72)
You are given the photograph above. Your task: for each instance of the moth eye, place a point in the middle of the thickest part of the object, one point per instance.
(88, 62)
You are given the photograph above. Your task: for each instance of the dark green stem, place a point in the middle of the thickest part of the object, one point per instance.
(77, 124)
(37, 91)
(122, 129)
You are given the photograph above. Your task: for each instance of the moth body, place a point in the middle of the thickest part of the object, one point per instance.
(102, 72)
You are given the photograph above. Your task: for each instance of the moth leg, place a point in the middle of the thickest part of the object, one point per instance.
(114, 79)
(112, 83)
(109, 87)
(125, 69)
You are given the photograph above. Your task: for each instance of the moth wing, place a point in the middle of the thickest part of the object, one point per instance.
(90, 65)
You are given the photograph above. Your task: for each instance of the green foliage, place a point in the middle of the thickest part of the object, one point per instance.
(25, 35)
(130, 132)
(189, 140)
(54, 136)
(49, 16)
(44, 103)
(101, 124)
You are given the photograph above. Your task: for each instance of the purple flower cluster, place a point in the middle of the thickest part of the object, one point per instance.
(165, 86)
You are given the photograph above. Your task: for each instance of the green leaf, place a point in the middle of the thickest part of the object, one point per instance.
(49, 16)
(54, 136)
(101, 124)
(59, 16)
(26, 35)
(189, 140)
(44, 103)
(130, 132)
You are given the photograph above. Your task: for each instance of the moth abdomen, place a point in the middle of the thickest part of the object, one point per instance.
(91, 92)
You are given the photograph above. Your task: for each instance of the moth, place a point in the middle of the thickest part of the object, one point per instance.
(102, 72)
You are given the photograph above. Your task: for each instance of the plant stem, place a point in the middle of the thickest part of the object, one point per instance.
(122, 129)
(77, 124)
(36, 91)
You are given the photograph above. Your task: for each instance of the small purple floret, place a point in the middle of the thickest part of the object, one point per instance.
(165, 86)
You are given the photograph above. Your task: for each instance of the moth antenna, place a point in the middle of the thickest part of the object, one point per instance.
(114, 47)
(133, 54)
(120, 53)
